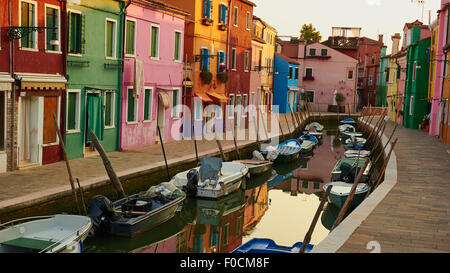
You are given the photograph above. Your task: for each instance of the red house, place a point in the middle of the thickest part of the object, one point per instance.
(37, 32)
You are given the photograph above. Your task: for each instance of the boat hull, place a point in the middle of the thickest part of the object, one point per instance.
(261, 245)
(339, 200)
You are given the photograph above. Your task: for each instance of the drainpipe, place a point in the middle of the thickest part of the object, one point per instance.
(225, 114)
(442, 93)
(63, 46)
(13, 93)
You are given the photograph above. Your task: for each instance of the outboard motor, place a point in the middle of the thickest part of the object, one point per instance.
(348, 173)
(102, 214)
(192, 181)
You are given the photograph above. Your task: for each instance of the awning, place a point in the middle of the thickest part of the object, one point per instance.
(5, 82)
(292, 88)
(41, 82)
(219, 97)
(203, 96)
(165, 98)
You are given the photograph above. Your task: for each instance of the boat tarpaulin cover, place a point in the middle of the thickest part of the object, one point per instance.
(167, 189)
(210, 168)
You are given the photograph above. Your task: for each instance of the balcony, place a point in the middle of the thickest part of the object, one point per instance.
(207, 21)
(308, 78)
(223, 26)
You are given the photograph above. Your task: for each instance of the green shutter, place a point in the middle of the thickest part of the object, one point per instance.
(130, 38)
(147, 104)
(130, 111)
(71, 111)
(109, 38)
(155, 43)
(82, 32)
(108, 108)
(177, 46)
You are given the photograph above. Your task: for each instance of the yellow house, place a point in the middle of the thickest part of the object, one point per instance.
(393, 78)
(434, 39)
(268, 34)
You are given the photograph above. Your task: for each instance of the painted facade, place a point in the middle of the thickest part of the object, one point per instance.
(285, 83)
(444, 103)
(154, 34)
(400, 60)
(383, 79)
(95, 43)
(394, 76)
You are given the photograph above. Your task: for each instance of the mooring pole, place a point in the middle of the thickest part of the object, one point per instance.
(289, 129)
(195, 140)
(264, 124)
(82, 197)
(164, 152)
(72, 184)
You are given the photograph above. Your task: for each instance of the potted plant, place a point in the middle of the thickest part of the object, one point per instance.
(340, 98)
(206, 76)
(222, 76)
(207, 21)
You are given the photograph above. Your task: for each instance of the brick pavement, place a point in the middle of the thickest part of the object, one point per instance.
(415, 214)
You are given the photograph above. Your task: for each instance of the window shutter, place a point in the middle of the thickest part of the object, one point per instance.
(69, 32)
(82, 40)
(208, 9)
(207, 58)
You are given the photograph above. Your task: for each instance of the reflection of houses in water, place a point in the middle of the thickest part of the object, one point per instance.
(256, 206)
(218, 227)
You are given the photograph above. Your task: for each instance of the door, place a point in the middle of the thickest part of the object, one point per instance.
(50, 109)
(94, 116)
(161, 116)
(29, 149)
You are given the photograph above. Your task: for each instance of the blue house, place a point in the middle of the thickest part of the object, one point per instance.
(285, 83)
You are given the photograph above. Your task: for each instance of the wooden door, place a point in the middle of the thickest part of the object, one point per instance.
(50, 108)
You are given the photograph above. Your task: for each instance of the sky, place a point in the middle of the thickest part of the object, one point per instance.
(374, 17)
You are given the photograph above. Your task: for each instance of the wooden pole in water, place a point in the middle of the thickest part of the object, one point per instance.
(235, 145)
(82, 197)
(195, 140)
(374, 128)
(296, 118)
(293, 119)
(220, 149)
(111, 173)
(164, 152)
(279, 123)
(385, 164)
(285, 118)
(377, 140)
(256, 130)
(69, 171)
(308, 235)
(264, 124)
(389, 140)
(349, 199)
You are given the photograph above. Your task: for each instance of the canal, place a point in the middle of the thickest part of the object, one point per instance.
(279, 205)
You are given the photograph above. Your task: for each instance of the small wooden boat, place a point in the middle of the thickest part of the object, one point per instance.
(318, 135)
(314, 126)
(336, 172)
(356, 153)
(347, 135)
(309, 137)
(212, 181)
(137, 213)
(341, 191)
(347, 128)
(261, 245)
(256, 166)
(349, 142)
(45, 234)
(259, 179)
(284, 152)
(307, 146)
(348, 121)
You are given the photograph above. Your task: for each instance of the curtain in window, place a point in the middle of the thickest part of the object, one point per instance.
(95, 122)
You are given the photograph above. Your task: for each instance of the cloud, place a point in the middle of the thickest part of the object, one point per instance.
(374, 2)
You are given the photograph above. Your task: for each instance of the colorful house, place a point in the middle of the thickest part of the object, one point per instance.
(285, 83)
(416, 89)
(394, 75)
(38, 58)
(94, 69)
(400, 60)
(383, 79)
(444, 103)
(153, 73)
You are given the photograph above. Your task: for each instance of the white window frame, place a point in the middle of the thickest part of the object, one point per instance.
(323, 49)
(175, 111)
(150, 101)
(158, 42)
(125, 36)
(248, 21)
(236, 103)
(77, 111)
(314, 95)
(35, 19)
(113, 108)
(253, 98)
(230, 110)
(233, 64)
(411, 103)
(59, 28)
(235, 17)
(353, 74)
(81, 17)
(136, 105)
(315, 51)
(180, 53)
(246, 60)
(114, 39)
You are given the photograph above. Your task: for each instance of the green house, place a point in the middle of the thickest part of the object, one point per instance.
(383, 79)
(94, 68)
(416, 88)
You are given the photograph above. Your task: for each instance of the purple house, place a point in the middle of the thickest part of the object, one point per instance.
(153, 71)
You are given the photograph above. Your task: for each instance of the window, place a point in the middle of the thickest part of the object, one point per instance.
(238, 102)
(2, 120)
(324, 52)
(111, 33)
(305, 184)
(310, 96)
(130, 38)
(154, 47)
(73, 110)
(248, 21)
(131, 106)
(370, 80)
(28, 18)
(411, 104)
(290, 72)
(226, 232)
(221, 67)
(175, 103)
(252, 99)
(207, 9)
(52, 33)
(350, 74)
(223, 14)
(204, 65)
(387, 74)
(308, 72)
(312, 52)
(148, 103)
(178, 46)
(246, 61)
(296, 73)
(235, 18)
(233, 58)
(214, 236)
(244, 105)
(414, 71)
(231, 107)
(75, 27)
(198, 109)
(399, 69)
(109, 108)
(239, 226)
(316, 185)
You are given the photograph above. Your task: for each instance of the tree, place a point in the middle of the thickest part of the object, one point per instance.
(308, 32)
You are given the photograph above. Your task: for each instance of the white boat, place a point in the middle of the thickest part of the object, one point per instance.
(355, 153)
(314, 126)
(340, 192)
(360, 140)
(45, 234)
(347, 128)
(307, 146)
(348, 134)
(256, 166)
(222, 179)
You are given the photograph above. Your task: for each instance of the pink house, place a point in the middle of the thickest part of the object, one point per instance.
(325, 71)
(153, 70)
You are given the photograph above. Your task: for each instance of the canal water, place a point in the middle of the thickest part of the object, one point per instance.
(279, 205)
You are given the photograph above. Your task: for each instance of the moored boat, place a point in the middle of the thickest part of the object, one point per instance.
(309, 137)
(356, 153)
(340, 192)
(307, 146)
(348, 121)
(137, 213)
(347, 128)
(262, 245)
(353, 163)
(213, 179)
(256, 166)
(314, 126)
(60, 233)
(284, 152)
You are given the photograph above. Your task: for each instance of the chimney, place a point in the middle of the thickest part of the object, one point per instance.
(380, 38)
(395, 42)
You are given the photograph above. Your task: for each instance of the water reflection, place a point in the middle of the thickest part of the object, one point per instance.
(279, 204)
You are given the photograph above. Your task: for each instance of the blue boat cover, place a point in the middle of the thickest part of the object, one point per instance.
(210, 168)
(261, 245)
